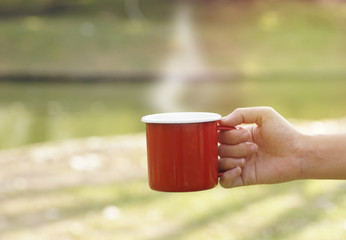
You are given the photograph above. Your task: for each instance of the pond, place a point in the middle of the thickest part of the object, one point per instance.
(33, 112)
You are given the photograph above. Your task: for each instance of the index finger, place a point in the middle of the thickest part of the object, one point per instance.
(245, 115)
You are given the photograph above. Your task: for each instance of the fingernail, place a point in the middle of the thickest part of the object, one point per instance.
(239, 170)
(240, 162)
(253, 148)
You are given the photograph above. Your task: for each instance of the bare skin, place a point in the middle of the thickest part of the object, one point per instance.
(271, 150)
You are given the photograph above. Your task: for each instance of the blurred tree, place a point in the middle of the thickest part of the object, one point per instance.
(42, 7)
(119, 8)
(13, 8)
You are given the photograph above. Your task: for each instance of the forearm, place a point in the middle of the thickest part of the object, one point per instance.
(323, 157)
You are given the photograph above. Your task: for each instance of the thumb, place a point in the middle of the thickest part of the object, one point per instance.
(246, 115)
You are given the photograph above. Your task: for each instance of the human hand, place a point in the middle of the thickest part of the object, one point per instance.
(265, 152)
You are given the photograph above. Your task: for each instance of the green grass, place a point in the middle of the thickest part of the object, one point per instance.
(43, 197)
(297, 210)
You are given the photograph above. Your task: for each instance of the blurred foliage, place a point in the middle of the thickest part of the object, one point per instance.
(65, 44)
(289, 55)
(13, 8)
(270, 36)
(26, 7)
(263, 36)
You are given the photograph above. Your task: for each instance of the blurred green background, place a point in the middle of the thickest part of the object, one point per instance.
(88, 70)
(81, 68)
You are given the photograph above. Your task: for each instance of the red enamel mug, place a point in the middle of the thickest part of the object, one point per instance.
(182, 150)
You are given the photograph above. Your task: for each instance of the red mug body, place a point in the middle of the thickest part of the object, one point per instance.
(182, 155)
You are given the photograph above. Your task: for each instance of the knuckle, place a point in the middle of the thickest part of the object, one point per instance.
(269, 110)
(238, 110)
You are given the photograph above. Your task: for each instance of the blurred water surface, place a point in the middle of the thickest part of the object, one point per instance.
(38, 112)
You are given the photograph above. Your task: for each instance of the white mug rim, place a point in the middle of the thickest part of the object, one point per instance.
(181, 117)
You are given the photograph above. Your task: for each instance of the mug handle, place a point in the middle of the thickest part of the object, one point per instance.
(224, 128)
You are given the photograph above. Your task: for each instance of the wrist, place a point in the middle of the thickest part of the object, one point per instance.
(306, 156)
(301, 157)
(322, 157)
